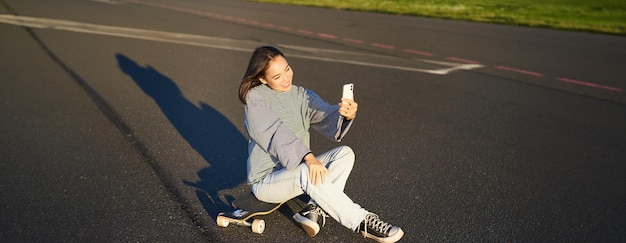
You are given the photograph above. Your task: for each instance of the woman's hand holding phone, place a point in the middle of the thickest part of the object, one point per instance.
(347, 106)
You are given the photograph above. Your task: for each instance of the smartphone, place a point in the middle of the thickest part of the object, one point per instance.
(348, 91)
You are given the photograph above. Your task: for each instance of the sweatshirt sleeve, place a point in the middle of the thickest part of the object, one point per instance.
(272, 135)
(325, 118)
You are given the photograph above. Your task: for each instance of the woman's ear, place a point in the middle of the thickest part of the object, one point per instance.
(263, 81)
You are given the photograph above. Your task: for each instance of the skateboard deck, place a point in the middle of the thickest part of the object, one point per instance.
(245, 209)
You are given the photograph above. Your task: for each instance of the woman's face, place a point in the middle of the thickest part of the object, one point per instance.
(278, 75)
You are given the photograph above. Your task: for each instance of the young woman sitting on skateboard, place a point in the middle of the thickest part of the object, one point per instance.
(281, 166)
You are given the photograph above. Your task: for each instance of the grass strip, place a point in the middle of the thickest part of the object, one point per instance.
(605, 16)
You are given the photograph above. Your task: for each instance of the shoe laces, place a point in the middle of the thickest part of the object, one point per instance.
(322, 213)
(372, 221)
(315, 212)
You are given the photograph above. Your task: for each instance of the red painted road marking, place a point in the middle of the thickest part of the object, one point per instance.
(305, 32)
(456, 59)
(589, 84)
(382, 46)
(353, 41)
(422, 53)
(520, 71)
(328, 36)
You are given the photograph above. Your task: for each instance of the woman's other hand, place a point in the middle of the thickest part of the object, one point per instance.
(317, 170)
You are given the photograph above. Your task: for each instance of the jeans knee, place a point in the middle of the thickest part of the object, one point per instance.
(349, 153)
(346, 156)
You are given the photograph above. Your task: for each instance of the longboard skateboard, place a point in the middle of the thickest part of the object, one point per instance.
(245, 209)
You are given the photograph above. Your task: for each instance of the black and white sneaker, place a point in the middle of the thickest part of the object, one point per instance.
(374, 228)
(308, 219)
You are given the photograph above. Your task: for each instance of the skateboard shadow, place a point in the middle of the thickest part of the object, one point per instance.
(208, 132)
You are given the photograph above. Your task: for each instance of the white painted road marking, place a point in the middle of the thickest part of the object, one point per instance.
(222, 43)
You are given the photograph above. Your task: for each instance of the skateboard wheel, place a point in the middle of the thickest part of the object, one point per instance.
(258, 226)
(222, 222)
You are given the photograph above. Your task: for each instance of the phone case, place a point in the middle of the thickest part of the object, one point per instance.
(348, 91)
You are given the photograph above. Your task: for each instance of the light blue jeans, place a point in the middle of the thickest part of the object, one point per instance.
(282, 185)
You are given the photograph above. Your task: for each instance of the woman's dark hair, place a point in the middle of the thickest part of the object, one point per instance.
(257, 66)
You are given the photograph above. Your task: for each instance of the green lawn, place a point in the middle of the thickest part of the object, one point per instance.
(602, 16)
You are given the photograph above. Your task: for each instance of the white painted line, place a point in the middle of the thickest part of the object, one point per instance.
(453, 66)
(162, 36)
(220, 43)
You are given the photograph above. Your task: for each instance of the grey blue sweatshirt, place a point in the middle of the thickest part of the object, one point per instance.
(278, 125)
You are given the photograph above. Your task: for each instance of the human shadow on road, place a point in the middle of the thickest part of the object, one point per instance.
(211, 134)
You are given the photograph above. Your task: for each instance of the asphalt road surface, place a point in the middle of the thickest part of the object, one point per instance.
(120, 122)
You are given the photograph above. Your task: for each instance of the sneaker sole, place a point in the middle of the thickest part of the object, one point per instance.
(390, 239)
(307, 225)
